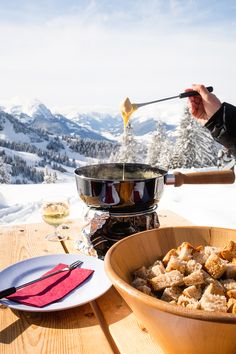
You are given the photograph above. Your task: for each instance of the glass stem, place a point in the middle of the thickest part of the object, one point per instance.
(56, 234)
(56, 231)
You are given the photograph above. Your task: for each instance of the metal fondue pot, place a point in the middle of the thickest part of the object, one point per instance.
(132, 187)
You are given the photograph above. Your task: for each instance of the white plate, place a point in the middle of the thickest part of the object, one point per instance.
(32, 268)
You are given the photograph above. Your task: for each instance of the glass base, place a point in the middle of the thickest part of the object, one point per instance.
(56, 237)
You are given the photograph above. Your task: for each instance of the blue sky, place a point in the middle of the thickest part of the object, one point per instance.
(94, 53)
(212, 10)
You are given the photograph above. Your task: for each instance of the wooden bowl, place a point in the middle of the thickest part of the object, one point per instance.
(176, 329)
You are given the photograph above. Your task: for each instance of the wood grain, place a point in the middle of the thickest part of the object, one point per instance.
(129, 335)
(73, 331)
(206, 177)
(105, 326)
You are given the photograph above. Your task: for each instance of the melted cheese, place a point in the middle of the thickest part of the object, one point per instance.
(126, 110)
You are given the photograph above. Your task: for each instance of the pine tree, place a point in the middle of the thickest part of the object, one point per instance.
(48, 178)
(130, 150)
(158, 149)
(4, 174)
(54, 177)
(194, 145)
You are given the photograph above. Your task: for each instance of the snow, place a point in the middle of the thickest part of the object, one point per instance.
(203, 205)
(21, 203)
(8, 133)
(30, 158)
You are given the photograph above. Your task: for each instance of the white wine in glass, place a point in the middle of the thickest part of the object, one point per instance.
(54, 212)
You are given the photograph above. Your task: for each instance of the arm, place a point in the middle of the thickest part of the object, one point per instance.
(219, 118)
(222, 126)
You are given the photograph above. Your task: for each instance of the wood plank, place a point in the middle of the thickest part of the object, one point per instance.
(75, 331)
(25, 241)
(169, 218)
(129, 336)
(70, 331)
(120, 322)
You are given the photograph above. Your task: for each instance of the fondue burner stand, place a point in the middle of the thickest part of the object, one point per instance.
(105, 228)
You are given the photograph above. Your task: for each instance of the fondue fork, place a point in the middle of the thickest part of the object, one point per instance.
(13, 289)
(181, 95)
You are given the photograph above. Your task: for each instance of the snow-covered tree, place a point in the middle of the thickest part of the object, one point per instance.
(158, 148)
(225, 159)
(54, 177)
(4, 174)
(194, 145)
(130, 150)
(49, 177)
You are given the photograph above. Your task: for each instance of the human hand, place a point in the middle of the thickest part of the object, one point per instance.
(203, 106)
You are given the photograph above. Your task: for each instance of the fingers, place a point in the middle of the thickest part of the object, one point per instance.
(201, 89)
(205, 105)
(194, 106)
(195, 103)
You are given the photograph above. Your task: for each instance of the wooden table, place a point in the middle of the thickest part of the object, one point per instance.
(103, 326)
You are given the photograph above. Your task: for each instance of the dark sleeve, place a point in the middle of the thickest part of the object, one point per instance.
(222, 126)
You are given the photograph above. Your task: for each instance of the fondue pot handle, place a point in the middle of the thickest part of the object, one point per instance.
(207, 177)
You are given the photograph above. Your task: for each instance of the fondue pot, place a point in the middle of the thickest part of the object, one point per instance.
(133, 187)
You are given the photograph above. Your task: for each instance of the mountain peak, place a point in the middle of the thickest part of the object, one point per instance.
(26, 109)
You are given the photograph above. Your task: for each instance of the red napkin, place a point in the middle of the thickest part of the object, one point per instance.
(54, 288)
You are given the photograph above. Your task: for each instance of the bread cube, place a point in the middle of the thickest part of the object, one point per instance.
(157, 269)
(172, 293)
(167, 279)
(215, 266)
(185, 251)
(192, 266)
(195, 278)
(229, 251)
(228, 284)
(208, 250)
(188, 302)
(231, 305)
(215, 288)
(166, 258)
(138, 282)
(193, 291)
(145, 289)
(232, 293)
(141, 273)
(200, 257)
(211, 302)
(176, 264)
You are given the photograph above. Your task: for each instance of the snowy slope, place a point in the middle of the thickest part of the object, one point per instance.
(37, 116)
(92, 124)
(209, 205)
(14, 130)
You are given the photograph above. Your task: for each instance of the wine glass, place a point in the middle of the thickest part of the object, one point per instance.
(54, 211)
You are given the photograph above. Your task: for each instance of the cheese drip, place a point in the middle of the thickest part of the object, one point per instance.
(126, 110)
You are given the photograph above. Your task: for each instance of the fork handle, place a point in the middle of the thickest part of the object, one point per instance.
(193, 93)
(7, 292)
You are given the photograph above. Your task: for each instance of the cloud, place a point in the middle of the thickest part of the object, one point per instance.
(97, 54)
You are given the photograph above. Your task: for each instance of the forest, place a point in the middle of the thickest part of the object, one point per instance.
(190, 145)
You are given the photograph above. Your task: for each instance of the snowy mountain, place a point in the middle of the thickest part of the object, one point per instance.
(143, 126)
(92, 124)
(35, 141)
(29, 153)
(39, 117)
(100, 122)
(12, 129)
(112, 124)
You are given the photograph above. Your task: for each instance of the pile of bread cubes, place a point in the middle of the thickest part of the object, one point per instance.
(195, 278)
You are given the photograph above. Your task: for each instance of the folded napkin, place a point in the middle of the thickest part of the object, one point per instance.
(52, 289)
